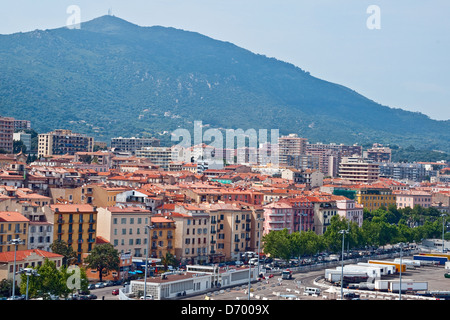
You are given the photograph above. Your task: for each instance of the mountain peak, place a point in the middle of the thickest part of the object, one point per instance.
(108, 24)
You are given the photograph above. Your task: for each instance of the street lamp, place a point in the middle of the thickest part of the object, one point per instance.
(149, 227)
(443, 223)
(400, 289)
(343, 232)
(260, 220)
(29, 272)
(15, 242)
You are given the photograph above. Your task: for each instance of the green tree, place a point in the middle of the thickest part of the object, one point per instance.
(49, 281)
(62, 248)
(277, 244)
(168, 259)
(103, 258)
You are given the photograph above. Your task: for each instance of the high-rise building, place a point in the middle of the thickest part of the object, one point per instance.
(61, 142)
(356, 170)
(291, 145)
(378, 153)
(133, 144)
(160, 156)
(330, 155)
(6, 134)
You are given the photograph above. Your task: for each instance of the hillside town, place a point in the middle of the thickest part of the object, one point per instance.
(148, 201)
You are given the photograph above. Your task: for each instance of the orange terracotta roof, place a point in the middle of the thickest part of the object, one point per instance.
(12, 216)
(22, 254)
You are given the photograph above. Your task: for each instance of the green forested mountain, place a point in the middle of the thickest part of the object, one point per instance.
(113, 78)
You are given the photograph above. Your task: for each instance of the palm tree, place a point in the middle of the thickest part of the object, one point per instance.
(168, 259)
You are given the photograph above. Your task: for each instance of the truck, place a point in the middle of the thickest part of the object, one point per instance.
(286, 275)
(437, 259)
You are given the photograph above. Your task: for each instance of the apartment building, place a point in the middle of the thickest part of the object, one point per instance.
(356, 170)
(98, 195)
(40, 231)
(60, 142)
(22, 124)
(411, 198)
(6, 134)
(162, 237)
(350, 210)
(74, 224)
(13, 225)
(378, 153)
(324, 209)
(235, 227)
(278, 216)
(303, 210)
(290, 145)
(132, 144)
(403, 171)
(160, 156)
(330, 155)
(125, 228)
(191, 233)
(373, 198)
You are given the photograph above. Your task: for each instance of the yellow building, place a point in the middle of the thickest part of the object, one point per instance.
(13, 225)
(162, 239)
(74, 224)
(373, 198)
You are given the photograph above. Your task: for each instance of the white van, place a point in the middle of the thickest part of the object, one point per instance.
(311, 291)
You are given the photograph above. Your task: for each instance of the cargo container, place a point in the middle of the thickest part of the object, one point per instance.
(334, 276)
(372, 272)
(437, 254)
(408, 285)
(437, 259)
(408, 262)
(384, 268)
(397, 265)
(382, 285)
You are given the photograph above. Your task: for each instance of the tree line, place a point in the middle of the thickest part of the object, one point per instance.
(379, 228)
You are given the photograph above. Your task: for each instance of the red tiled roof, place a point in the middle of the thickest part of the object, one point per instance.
(22, 254)
(12, 216)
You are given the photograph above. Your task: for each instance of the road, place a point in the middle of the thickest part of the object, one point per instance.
(106, 293)
(277, 289)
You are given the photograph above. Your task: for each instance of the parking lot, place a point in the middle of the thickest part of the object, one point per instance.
(276, 288)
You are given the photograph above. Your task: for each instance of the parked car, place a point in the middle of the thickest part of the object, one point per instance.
(115, 292)
(92, 296)
(100, 285)
(91, 286)
(149, 297)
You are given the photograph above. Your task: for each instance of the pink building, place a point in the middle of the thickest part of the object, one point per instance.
(278, 216)
(350, 210)
(303, 210)
(411, 198)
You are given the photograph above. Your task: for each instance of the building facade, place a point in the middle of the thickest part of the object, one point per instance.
(13, 225)
(60, 142)
(133, 144)
(74, 224)
(356, 170)
(6, 134)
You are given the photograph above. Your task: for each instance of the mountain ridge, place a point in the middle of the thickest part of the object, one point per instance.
(112, 77)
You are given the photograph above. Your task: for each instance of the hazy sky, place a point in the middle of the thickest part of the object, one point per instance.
(404, 63)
